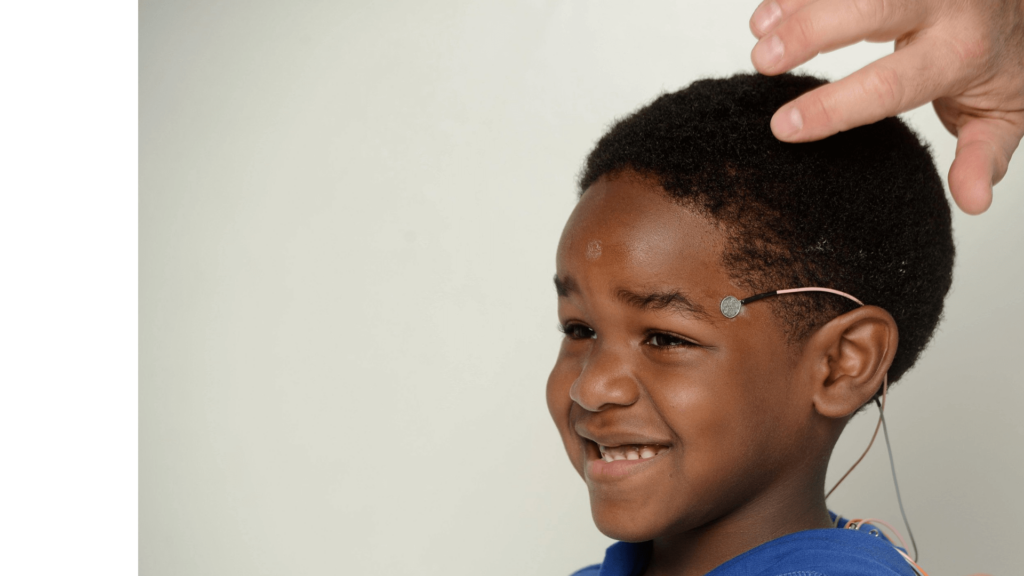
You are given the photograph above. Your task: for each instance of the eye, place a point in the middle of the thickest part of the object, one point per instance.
(576, 331)
(663, 340)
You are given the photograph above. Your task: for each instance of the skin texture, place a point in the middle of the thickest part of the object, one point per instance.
(748, 420)
(965, 57)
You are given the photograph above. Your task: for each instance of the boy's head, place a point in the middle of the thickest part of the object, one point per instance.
(689, 200)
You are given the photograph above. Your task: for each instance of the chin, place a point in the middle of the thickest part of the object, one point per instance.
(626, 524)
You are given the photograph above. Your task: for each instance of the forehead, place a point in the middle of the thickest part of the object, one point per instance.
(629, 229)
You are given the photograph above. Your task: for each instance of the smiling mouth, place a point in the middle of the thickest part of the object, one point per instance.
(630, 452)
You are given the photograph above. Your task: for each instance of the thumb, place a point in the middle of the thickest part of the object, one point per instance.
(983, 150)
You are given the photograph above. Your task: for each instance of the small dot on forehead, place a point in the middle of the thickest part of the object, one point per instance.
(593, 250)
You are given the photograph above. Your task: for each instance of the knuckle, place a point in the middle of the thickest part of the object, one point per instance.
(873, 11)
(799, 34)
(822, 108)
(884, 85)
(972, 48)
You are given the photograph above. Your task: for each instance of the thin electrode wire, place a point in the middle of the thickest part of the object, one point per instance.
(889, 526)
(829, 290)
(913, 565)
(885, 390)
(892, 465)
(881, 423)
(885, 380)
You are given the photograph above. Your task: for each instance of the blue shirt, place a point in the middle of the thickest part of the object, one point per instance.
(824, 552)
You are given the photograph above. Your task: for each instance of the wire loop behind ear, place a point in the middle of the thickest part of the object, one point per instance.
(731, 308)
(881, 408)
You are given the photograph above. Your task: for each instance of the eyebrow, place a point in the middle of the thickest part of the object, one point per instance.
(673, 300)
(566, 286)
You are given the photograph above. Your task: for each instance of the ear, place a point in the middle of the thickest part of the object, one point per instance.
(851, 355)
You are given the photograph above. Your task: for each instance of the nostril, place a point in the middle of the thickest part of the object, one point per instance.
(597, 395)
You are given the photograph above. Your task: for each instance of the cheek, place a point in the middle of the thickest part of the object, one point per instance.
(722, 416)
(560, 404)
(560, 382)
(745, 414)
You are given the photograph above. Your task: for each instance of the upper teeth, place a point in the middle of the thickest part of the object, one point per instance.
(630, 452)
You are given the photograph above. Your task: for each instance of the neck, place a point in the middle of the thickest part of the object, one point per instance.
(698, 551)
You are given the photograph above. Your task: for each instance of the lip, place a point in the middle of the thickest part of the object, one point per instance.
(616, 438)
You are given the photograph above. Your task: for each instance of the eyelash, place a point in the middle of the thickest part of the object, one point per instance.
(571, 331)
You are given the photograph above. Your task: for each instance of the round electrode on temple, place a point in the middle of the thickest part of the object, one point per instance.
(731, 305)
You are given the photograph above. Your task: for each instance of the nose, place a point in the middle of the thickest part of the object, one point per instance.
(606, 380)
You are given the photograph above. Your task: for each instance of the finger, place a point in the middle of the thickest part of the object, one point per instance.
(983, 150)
(826, 25)
(899, 82)
(770, 12)
(970, 177)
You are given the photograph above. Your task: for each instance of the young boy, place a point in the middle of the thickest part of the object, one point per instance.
(702, 425)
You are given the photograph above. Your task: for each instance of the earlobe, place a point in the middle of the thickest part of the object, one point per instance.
(853, 353)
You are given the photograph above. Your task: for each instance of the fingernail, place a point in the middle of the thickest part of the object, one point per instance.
(768, 52)
(766, 16)
(787, 124)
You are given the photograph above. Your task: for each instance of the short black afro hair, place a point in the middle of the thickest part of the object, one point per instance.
(863, 211)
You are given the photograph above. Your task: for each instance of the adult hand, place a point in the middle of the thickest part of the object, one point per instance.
(965, 57)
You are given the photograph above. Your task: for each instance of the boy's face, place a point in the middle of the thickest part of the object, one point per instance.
(705, 412)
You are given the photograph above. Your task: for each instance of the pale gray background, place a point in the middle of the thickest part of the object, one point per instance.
(348, 219)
